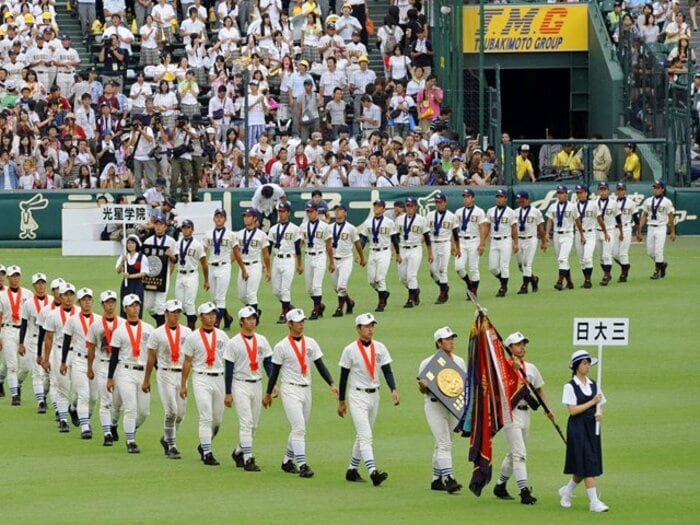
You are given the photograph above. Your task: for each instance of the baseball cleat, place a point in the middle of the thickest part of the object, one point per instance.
(132, 448)
(115, 433)
(108, 441)
(437, 484)
(378, 477)
(164, 444)
(409, 304)
(353, 475)
(569, 286)
(2, 389)
(622, 279)
(338, 312)
(535, 283)
(379, 308)
(314, 316)
(305, 471)
(587, 284)
(565, 497)
(598, 506)
(559, 287)
(350, 305)
(655, 276)
(282, 319)
(210, 460)
(451, 485)
(605, 280)
(290, 467)
(499, 490)
(16, 401)
(63, 427)
(173, 453)
(201, 452)
(238, 459)
(74, 416)
(523, 289)
(41, 407)
(662, 275)
(526, 498)
(251, 466)
(86, 434)
(501, 292)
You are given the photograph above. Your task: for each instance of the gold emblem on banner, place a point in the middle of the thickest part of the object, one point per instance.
(450, 382)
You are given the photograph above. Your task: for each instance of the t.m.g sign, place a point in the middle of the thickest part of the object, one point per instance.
(527, 29)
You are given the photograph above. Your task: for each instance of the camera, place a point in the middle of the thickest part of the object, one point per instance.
(157, 118)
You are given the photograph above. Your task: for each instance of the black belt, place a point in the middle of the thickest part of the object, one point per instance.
(339, 258)
(314, 253)
(185, 271)
(285, 255)
(562, 231)
(528, 237)
(655, 225)
(250, 263)
(499, 238)
(102, 360)
(218, 264)
(298, 384)
(410, 247)
(164, 369)
(210, 374)
(469, 238)
(441, 240)
(250, 380)
(133, 367)
(367, 390)
(12, 326)
(588, 231)
(380, 249)
(521, 408)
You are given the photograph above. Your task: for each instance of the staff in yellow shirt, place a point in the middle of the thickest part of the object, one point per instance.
(523, 165)
(633, 166)
(567, 159)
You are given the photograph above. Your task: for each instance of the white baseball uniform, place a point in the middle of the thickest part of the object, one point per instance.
(283, 238)
(11, 302)
(378, 231)
(609, 212)
(314, 236)
(588, 214)
(411, 232)
(206, 350)
(168, 343)
(130, 340)
(563, 217)
(252, 243)
(54, 323)
(344, 236)
(154, 302)
(189, 252)
(30, 312)
(657, 210)
(364, 363)
(441, 231)
(40, 322)
(220, 243)
(529, 220)
(469, 221)
(441, 423)
(77, 327)
(100, 335)
(621, 248)
(247, 355)
(501, 221)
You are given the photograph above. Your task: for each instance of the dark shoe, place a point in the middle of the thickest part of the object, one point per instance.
(290, 467)
(16, 401)
(282, 319)
(41, 408)
(442, 299)
(115, 433)
(210, 460)
(586, 284)
(2, 390)
(535, 283)
(605, 280)
(338, 312)
(321, 310)
(314, 316)
(250, 466)
(63, 427)
(164, 444)
(108, 441)
(173, 453)
(559, 287)
(379, 308)
(305, 471)
(416, 299)
(526, 498)
(238, 459)
(655, 276)
(86, 434)
(451, 485)
(228, 321)
(501, 292)
(74, 416)
(500, 492)
(523, 289)
(437, 485)
(201, 452)
(569, 286)
(622, 279)
(378, 477)
(663, 270)
(349, 306)
(353, 475)
(409, 304)
(132, 448)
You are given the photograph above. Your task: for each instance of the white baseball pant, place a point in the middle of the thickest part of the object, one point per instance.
(248, 290)
(515, 462)
(173, 405)
(186, 291)
(621, 248)
(606, 247)
(110, 402)
(410, 265)
(468, 261)
(154, 302)
(441, 423)
(441, 261)
(500, 251)
(378, 267)
(585, 251)
(282, 274)
(209, 397)
(83, 387)
(219, 281)
(527, 248)
(562, 247)
(363, 409)
(314, 270)
(296, 401)
(656, 240)
(137, 404)
(341, 275)
(60, 384)
(17, 365)
(40, 379)
(64, 80)
(247, 397)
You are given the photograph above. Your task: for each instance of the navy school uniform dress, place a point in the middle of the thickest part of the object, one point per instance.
(584, 456)
(132, 285)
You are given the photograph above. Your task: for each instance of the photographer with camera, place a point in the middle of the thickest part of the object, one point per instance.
(140, 147)
(183, 179)
(115, 60)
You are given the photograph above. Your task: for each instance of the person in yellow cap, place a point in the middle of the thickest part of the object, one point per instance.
(347, 24)
(358, 84)
(295, 85)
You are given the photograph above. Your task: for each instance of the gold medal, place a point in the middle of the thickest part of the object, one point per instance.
(450, 382)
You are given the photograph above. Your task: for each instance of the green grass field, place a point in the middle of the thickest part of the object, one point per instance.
(650, 431)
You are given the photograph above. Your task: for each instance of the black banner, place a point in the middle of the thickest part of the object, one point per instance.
(157, 278)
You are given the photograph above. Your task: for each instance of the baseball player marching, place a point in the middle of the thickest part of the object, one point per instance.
(285, 238)
(40, 320)
(28, 336)
(11, 300)
(472, 232)
(611, 217)
(126, 369)
(99, 344)
(223, 250)
(316, 236)
(255, 259)
(359, 364)
(245, 355)
(54, 324)
(75, 338)
(154, 302)
(413, 230)
(189, 252)
(657, 213)
(562, 218)
(443, 235)
(380, 232)
(293, 356)
(621, 245)
(517, 429)
(440, 420)
(503, 227)
(165, 347)
(589, 215)
(530, 226)
(345, 237)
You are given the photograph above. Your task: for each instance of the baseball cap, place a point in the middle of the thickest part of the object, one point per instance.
(246, 312)
(3, 269)
(412, 201)
(108, 295)
(158, 217)
(295, 315)
(501, 193)
(515, 337)
(173, 305)
(522, 195)
(602, 184)
(379, 202)
(304, 63)
(365, 319)
(311, 206)
(14, 270)
(56, 283)
(621, 186)
(468, 192)
(38, 277)
(657, 184)
(130, 299)
(443, 333)
(580, 355)
(284, 206)
(440, 196)
(562, 189)
(363, 58)
(206, 308)
(250, 212)
(525, 147)
(219, 211)
(340, 206)
(84, 292)
(581, 187)
(65, 288)
(456, 158)
(187, 223)
(65, 36)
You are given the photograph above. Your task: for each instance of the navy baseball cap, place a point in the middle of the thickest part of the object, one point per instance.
(440, 197)
(621, 186)
(379, 202)
(522, 195)
(562, 189)
(250, 212)
(311, 206)
(411, 201)
(220, 211)
(468, 192)
(602, 184)
(284, 206)
(158, 217)
(500, 193)
(187, 223)
(581, 187)
(658, 184)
